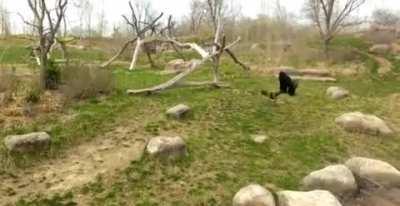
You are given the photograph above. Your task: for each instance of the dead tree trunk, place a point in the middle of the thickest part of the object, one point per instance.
(148, 54)
(194, 65)
(140, 32)
(119, 53)
(218, 49)
(135, 56)
(137, 25)
(215, 11)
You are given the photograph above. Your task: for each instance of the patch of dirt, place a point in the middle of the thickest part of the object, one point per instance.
(81, 165)
(18, 112)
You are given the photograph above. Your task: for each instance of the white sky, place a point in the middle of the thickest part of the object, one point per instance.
(178, 8)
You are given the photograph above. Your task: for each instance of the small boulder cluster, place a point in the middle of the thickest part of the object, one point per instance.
(331, 186)
(162, 146)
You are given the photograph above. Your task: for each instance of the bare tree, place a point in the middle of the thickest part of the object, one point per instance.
(4, 20)
(385, 17)
(197, 14)
(85, 13)
(218, 49)
(330, 16)
(141, 23)
(47, 24)
(102, 21)
(281, 13)
(215, 9)
(141, 17)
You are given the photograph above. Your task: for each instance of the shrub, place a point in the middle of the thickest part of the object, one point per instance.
(82, 81)
(8, 84)
(53, 75)
(33, 95)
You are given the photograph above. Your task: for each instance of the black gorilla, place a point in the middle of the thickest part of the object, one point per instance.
(286, 85)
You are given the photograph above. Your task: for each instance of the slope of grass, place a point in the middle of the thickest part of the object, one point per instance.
(303, 137)
(222, 158)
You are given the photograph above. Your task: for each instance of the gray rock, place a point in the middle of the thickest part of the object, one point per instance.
(313, 198)
(178, 111)
(376, 171)
(166, 147)
(359, 122)
(259, 138)
(253, 195)
(337, 93)
(380, 49)
(28, 143)
(337, 179)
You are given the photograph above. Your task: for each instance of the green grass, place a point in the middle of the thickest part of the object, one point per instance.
(351, 41)
(222, 158)
(302, 132)
(303, 137)
(17, 51)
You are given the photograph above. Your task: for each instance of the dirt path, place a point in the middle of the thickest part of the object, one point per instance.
(81, 165)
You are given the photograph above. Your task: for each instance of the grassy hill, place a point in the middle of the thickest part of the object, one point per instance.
(302, 136)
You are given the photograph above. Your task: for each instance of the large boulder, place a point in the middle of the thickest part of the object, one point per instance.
(168, 147)
(253, 195)
(380, 49)
(313, 198)
(32, 142)
(179, 111)
(359, 122)
(337, 93)
(337, 179)
(375, 171)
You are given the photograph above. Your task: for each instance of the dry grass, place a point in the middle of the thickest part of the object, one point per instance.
(21, 100)
(381, 37)
(82, 82)
(9, 84)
